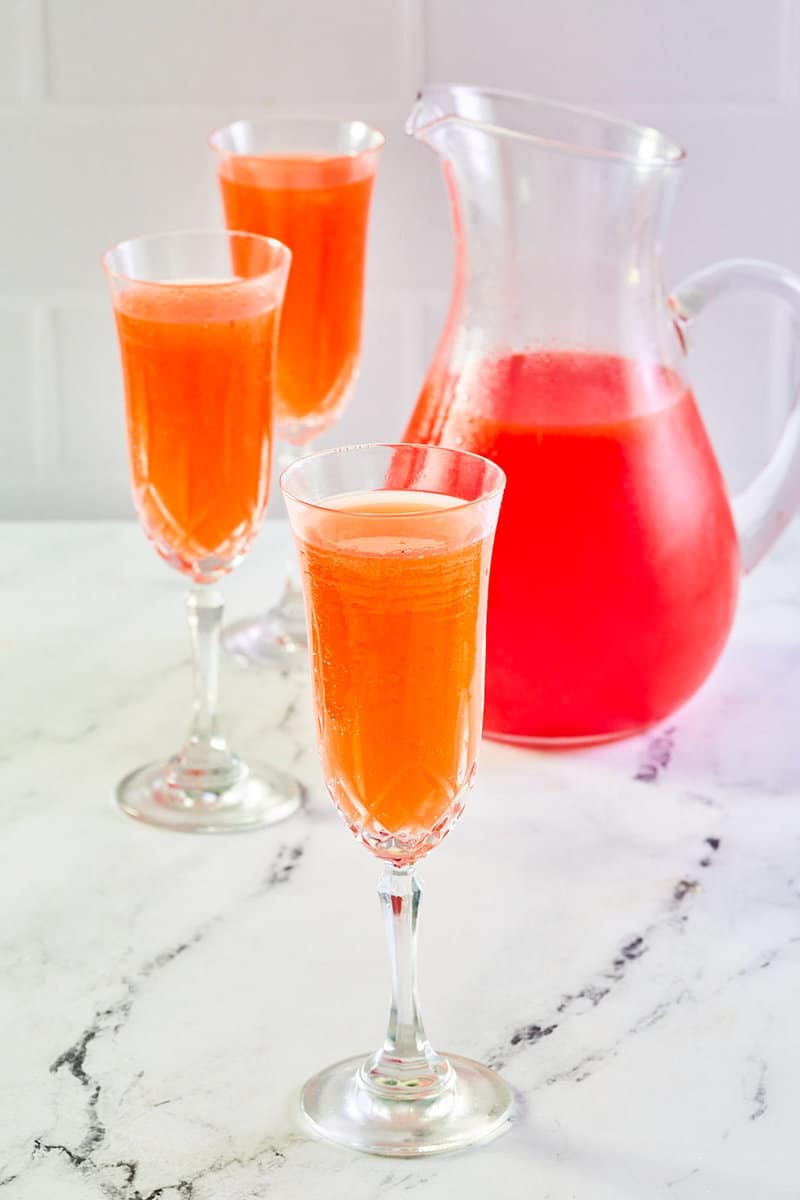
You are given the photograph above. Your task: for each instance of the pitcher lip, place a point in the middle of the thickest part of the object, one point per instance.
(672, 156)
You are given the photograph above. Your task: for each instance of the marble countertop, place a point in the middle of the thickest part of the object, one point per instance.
(618, 929)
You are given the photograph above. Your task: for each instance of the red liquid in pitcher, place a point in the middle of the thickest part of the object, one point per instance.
(616, 566)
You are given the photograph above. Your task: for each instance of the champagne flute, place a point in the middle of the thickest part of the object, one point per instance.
(395, 544)
(197, 319)
(309, 183)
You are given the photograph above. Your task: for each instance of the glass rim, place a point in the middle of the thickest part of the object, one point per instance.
(283, 261)
(339, 451)
(377, 138)
(673, 155)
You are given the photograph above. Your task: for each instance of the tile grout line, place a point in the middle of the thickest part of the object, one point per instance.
(415, 46)
(789, 53)
(34, 58)
(163, 110)
(79, 298)
(46, 419)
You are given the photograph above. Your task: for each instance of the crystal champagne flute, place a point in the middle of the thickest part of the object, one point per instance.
(395, 544)
(309, 183)
(197, 319)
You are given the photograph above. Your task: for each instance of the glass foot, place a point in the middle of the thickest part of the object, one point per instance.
(255, 799)
(274, 639)
(474, 1106)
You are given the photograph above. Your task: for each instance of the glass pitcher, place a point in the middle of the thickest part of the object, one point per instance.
(618, 552)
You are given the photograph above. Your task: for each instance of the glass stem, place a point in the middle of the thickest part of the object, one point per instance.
(292, 598)
(205, 767)
(406, 1065)
(291, 606)
(204, 608)
(289, 453)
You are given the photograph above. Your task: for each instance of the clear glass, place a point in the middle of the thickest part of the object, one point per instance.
(564, 360)
(395, 543)
(309, 183)
(197, 317)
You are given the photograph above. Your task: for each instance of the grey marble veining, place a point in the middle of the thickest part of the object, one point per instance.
(617, 930)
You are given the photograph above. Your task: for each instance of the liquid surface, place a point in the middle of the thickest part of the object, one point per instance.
(615, 566)
(319, 208)
(198, 370)
(396, 589)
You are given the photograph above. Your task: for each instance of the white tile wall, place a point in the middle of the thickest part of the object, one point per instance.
(269, 52)
(104, 110)
(91, 430)
(17, 347)
(12, 52)
(616, 51)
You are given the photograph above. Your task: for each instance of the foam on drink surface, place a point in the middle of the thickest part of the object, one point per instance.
(392, 502)
(394, 522)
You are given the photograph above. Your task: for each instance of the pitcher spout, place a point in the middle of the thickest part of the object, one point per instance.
(434, 109)
(545, 124)
(550, 200)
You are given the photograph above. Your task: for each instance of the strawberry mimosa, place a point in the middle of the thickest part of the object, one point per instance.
(308, 182)
(395, 543)
(198, 363)
(397, 589)
(317, 202)
(197, 317)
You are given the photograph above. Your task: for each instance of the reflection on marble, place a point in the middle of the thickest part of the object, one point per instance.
(617, 930)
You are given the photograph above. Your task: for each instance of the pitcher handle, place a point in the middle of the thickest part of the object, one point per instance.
(766, 506)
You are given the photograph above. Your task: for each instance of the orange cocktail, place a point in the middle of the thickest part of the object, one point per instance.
(308, 184)
(197, 318)
(395, 543)
(198, 369)
(395, 582)
(396, 593)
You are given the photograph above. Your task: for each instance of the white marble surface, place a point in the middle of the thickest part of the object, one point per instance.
(618, 930)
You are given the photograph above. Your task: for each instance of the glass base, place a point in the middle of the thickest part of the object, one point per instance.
(274, 639)
(473, 1107)
(264, 642)
(256, 799)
